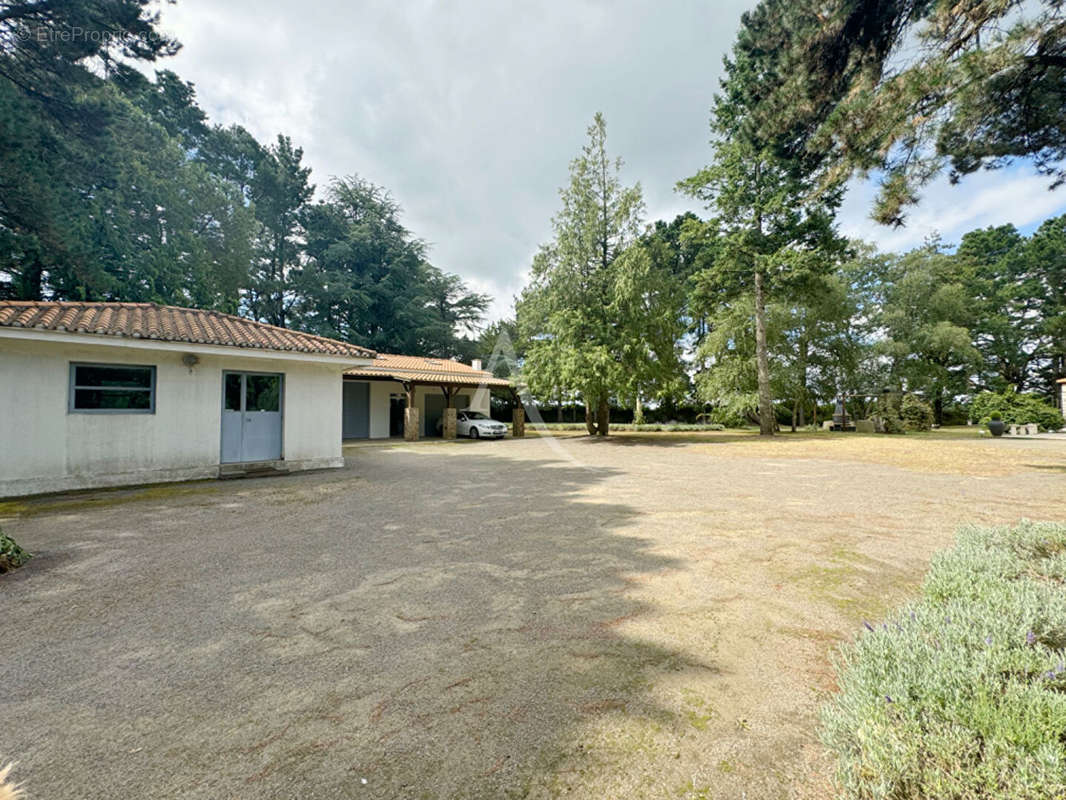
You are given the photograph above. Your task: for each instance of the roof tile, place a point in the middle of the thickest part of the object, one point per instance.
(169, 324)
(425, 370)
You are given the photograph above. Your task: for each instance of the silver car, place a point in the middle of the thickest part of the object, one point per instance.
(477, 426)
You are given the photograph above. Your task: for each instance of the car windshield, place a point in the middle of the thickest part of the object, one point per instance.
(475, 415)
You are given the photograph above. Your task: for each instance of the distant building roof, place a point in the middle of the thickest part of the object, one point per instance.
(168, 324)
(425, 370)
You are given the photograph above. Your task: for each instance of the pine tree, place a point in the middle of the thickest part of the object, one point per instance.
(578, 316)
(772, 225)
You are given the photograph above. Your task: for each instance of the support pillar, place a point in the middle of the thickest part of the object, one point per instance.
(410, 424)
(410, 415)
(449, 423)
(518, 423)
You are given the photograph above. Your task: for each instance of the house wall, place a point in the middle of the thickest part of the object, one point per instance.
(1062, 399)
(381, 391)
(44, 448)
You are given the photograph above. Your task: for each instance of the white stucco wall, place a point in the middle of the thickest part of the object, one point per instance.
(1062, 399)
(44, 448)
(382, 391)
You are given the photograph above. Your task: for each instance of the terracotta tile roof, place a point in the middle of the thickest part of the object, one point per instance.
(168, 324)
(426, 370)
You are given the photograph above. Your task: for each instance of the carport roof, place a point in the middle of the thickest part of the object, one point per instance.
(168, 324)
(418, 369)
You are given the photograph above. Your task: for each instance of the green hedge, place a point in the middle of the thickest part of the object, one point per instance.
(1018, 408)
(962, 695)
(626, 426)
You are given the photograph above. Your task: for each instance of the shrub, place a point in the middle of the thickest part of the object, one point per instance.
(1016, 408)
(963, 693)
(11, 555)
(889, 408)
(916, 415)
(648, 427)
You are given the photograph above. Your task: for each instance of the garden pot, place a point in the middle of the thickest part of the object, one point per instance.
(996, 427)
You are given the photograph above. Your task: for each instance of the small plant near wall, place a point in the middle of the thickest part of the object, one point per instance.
(11, 555)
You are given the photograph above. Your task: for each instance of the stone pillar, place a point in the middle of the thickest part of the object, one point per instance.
(518, 423)
(410, 424)
(449, 423)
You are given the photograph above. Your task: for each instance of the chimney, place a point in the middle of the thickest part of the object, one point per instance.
(476, 364)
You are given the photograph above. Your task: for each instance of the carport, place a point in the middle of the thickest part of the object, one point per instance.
(409, 395)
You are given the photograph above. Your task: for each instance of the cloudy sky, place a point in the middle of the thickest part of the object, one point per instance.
(470, 112)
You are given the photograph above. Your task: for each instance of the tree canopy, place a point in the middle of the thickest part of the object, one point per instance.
(912, 87)
(116, 186)
(594, 317)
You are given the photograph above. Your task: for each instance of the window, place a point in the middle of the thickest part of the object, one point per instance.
(111, 389)
(262, 393)
(233, 391)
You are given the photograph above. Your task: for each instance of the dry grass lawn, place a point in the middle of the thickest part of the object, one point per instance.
(651, 616)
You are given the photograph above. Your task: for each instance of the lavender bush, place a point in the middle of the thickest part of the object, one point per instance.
(963, 693)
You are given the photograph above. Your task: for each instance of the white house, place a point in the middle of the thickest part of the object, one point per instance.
(1062, 396)
(377, 395)
(105, 394)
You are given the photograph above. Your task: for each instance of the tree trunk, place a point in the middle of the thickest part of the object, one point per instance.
(603, 417)
(938, 407)
(638, 411)
(30, 284)
(590, 422)
(795, 413)
(766, 400)
(803, 349)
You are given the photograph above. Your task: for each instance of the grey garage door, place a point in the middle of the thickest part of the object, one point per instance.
(356, 419)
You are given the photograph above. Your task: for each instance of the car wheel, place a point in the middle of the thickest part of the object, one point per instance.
(474, 433)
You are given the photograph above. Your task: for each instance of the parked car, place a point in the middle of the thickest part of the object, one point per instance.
(477, 426)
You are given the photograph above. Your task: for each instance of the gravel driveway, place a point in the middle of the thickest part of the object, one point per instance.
(639, 618)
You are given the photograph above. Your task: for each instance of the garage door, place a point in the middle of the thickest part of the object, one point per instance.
(356, 421)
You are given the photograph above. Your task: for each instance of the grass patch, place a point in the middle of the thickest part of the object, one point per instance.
(963, 693)
(81, 500)
(11, 555)
(956, 451)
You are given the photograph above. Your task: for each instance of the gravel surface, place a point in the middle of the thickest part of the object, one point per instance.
(644, 617)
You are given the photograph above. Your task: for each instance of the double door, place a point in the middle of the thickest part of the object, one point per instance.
(251, 416)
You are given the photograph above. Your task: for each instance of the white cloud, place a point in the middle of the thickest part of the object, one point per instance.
(471, 112)
(468, 112)
(978, 201)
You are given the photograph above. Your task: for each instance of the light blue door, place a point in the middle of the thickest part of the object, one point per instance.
(251, 416)
(356, 417)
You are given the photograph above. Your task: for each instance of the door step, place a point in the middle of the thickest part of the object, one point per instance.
(252, 469)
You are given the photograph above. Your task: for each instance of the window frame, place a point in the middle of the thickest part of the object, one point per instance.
(72, 387)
